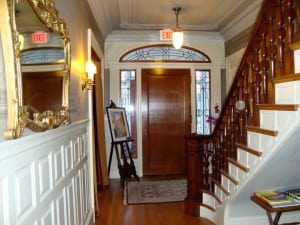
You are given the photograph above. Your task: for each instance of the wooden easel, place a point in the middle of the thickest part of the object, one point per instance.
(126, 170)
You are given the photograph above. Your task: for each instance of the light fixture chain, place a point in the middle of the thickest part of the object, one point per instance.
(177, 10)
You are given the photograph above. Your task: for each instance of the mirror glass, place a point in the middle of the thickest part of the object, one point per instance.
(41, 66)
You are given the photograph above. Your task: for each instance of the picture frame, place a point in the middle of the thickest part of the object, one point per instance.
(118, 123)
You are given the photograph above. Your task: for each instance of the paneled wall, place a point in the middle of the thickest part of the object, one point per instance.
(44, 179)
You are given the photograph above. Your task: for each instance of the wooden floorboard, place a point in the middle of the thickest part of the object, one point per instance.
(112, 211)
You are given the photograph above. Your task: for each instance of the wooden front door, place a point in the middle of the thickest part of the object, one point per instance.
(166, 115)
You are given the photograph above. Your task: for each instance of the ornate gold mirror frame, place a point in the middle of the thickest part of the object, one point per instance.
(20, 116)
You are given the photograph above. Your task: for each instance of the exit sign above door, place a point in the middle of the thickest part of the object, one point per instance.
(39, 37)
(165, 35)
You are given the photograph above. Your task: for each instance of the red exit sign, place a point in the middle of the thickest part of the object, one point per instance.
(39, 37)
(166, 35)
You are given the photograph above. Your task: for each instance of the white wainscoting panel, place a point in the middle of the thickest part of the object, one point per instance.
(45, 180)
(45, 167)
(4, 216)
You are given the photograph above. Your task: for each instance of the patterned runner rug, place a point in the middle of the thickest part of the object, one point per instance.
(141, 192)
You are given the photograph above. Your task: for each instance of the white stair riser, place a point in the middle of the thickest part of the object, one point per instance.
(220, 194)
(277, 120)
(209, 200)
(287, 93)
(235, 172)
(246, 159)
(228, 184)
(260, 141)
(207, 213)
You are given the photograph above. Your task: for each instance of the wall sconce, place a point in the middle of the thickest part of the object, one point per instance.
(177, 35)
(21, 41)
(90, 70)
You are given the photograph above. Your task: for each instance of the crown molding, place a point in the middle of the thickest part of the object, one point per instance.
(237, 22)
(101, 16)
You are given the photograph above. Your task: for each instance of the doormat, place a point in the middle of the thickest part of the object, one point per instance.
(157, 191)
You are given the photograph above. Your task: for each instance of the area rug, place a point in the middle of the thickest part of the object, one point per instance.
(158, 191)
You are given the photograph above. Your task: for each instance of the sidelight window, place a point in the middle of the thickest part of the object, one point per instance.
(203, 124)
(128, 101)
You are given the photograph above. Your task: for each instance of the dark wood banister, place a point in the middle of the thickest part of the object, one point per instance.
(268, 57)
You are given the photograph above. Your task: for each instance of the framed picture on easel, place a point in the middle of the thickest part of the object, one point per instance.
(118, 124)
(120, 135)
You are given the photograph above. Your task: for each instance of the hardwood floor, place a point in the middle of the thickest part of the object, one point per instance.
(112, 211)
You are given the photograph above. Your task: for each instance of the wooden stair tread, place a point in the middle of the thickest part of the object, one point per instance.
(212, 195)
(236, 163)
(221, 187)
(295, 46)
(282, 79)
(250, 150)
(233, 180)
(208, 206)
(262, 131)
(279, 107)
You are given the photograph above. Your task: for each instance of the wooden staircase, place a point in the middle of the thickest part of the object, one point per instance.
(277, 122)
(221, 165)
(249, 156)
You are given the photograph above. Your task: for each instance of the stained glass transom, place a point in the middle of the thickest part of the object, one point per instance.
(165, 53)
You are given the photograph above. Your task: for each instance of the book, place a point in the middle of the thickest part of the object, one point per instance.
(286, 204)
(275, 198)
(294, 193)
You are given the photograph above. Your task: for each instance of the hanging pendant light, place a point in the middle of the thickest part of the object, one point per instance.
(177, 35)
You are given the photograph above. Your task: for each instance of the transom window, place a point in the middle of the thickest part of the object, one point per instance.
(165, 53)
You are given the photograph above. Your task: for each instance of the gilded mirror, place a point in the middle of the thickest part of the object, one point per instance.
(37, 66)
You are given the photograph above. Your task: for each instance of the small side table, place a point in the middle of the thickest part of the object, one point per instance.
(277, 210)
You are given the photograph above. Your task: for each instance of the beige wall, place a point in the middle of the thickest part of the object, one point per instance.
(79, 19)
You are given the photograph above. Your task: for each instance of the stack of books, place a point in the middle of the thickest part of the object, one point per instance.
(294, 193)
(278, 198)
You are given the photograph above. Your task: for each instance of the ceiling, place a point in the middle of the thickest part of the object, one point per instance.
(195, 15)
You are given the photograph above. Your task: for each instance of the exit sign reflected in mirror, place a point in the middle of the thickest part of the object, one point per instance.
(166, 35)
(39, 37)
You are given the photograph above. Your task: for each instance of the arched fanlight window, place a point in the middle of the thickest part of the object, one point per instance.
(165, 53)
